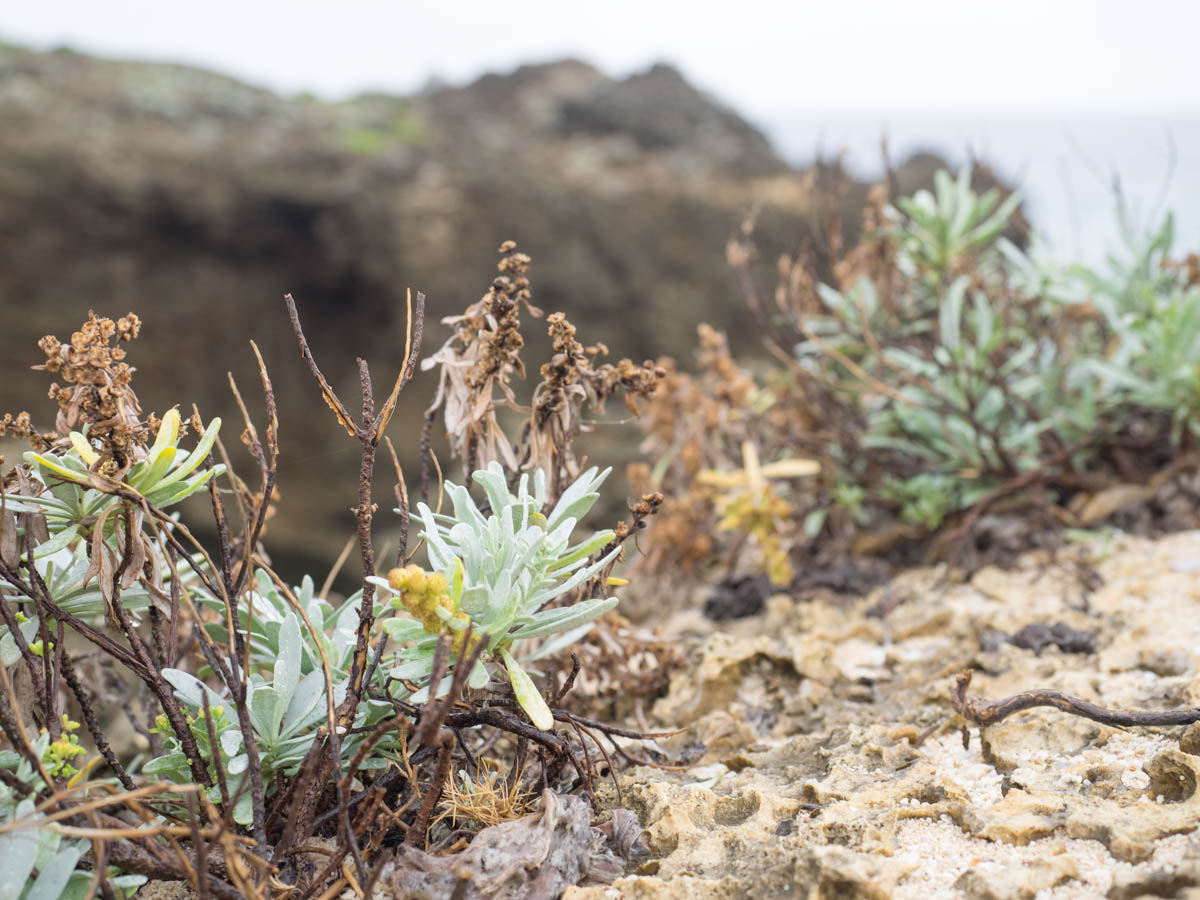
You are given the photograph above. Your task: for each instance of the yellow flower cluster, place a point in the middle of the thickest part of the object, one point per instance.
(59, 754)
(760, 515)
(423, 594)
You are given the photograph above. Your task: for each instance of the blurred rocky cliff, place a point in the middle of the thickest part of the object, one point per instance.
(198, 201)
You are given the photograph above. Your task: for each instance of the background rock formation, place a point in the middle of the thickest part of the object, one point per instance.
(198, 201)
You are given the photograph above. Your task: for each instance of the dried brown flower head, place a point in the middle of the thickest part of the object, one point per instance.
(571, 381)
(482, 356)
(479, 360)
(97, 391)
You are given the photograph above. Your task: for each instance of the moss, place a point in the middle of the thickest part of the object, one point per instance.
(401, 131)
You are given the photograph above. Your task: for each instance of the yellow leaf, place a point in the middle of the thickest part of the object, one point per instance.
(168, 433)
(791, 468)
(713, 478)
(49, 462)
(754, 474)
(84, 449)
(527, 694)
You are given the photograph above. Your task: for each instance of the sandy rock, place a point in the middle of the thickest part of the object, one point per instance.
(838, 762)
(1025, 881)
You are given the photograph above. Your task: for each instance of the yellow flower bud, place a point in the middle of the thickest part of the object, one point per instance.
(417, 582)
(398, 580)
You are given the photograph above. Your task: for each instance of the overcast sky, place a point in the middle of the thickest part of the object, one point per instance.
(766, 59)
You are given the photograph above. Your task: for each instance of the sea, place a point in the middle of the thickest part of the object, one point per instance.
(1072, 169)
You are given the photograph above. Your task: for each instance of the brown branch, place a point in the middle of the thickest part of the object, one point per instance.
(326, 755)
(427, 457)
(28, 657)
(36, 591)
(412, 352)
(569, 682)
(988, 712)
(401, 491)
(420, 825)
(163, 692)
(331, 398)
(364, 513)
(269, 471)
(93, 724)
(136, 857)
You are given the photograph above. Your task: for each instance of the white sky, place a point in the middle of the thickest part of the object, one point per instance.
(767, 59)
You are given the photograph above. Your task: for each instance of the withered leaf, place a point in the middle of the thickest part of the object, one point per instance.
(536, 857)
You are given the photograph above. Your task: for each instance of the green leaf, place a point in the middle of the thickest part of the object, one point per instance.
(243, 808)
(153, 469)
(558, 642)
(991, 227)
(307, 706)
(57, 542)
(18, 850)
(168, 433)
(262, 707)
(581, 552)
(542, 597)
(168, 492)
(9, 652)
(814, 522)
(479, 677)
(578, 498)
(171, 764)
(54, 465)
(550, 621)
(197, 456)
(950, 317)
(53, 877)
(190, 689)
(287, 668)
(984, 322)
(404, 630)
(495, 485)
(231, 741)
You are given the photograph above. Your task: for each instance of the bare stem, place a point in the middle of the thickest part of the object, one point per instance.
(988, 712)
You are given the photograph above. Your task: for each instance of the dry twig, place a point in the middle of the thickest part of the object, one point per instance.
(989, 712)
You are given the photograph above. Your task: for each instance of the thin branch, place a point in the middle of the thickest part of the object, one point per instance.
(93, 724)
(412, 352)
(327, 392)
(988, 712)
(420, 825)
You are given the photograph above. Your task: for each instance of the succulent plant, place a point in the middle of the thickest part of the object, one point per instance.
(497, 574)
(77, 515)
(164, 476)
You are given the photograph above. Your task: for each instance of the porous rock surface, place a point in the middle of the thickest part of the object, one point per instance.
(834, 765)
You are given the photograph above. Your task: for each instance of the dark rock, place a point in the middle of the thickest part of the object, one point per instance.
(736, 597)
(660, 110)
(857, 577)
(992, 639)
(1038, 636)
